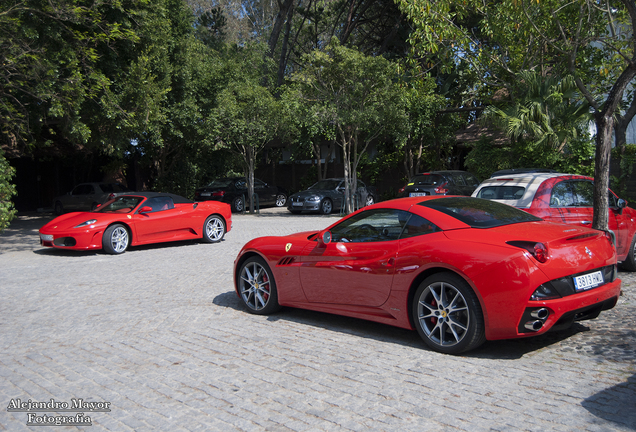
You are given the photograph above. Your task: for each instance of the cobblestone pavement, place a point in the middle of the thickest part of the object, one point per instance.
(159, 334)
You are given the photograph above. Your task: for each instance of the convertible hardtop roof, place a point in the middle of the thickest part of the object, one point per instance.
(177, 199)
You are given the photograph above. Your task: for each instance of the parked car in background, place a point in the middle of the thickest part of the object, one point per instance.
(451, 182)
(135, 219)
(327, 195)
(459, 270)
(87, 196)
(233, 190)
(565, 198)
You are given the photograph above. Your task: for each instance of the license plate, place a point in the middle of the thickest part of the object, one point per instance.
(588, 281)
(297, 204)
(206, 194)
(46, 237)
(412, 194)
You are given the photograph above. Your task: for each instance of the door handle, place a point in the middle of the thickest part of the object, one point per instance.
(586, 222)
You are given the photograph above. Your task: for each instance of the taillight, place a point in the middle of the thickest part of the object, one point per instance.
(218, 194)
(538, 250)
(401, 189)
(441, 189)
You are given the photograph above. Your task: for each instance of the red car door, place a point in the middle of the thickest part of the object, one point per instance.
(357, 267)
(163, 223)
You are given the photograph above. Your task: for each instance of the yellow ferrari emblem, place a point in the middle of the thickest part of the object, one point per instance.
(288, 247)
(129, 216)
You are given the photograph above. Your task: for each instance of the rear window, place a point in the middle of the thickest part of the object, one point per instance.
(479, 213)
(501, 192)
(428, 180)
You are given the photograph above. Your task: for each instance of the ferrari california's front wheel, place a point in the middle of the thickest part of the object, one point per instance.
(447, 314)
(116, 239)
(213, 229)
(257, 287)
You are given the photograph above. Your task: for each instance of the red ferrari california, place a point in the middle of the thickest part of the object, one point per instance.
(138, 218)
(459, 270)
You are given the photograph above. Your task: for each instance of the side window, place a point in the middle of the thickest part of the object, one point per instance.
(458, 180)
(583, 193)
(82, 190)
(371, 226)
(159, 203)
(471, 180)
(258, 184)
(611, 199)
(561, 195)
(240, 184)
(416, 226)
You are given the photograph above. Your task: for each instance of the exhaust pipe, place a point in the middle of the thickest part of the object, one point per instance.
(534, 325)
(541, 314)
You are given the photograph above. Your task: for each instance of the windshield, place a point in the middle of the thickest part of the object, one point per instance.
(479, 213)
(219, 183)
(427, 180)
(124, 204)
(326, 184)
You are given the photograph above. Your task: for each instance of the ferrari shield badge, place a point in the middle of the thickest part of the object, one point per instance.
(129, 216)
(288, 247)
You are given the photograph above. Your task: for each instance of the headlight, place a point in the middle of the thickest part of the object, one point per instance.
(88, 222)
(313, 198)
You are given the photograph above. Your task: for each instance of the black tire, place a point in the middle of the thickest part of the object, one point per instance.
(257, 287)
(281, 200)
(238, 205)
(447, 314)
(295, 211)
(58, 208)
(213, 229)
(116, 239)
(630, 261)
(326, 206)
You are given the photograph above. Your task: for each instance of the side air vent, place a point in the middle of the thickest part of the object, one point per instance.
(286, 261)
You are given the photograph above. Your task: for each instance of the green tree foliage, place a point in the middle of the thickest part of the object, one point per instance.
(593, 41)
(247, 116)
(356, 96)
(7, 191)
(547, 124)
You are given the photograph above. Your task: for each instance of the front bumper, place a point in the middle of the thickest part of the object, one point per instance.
(84, 240)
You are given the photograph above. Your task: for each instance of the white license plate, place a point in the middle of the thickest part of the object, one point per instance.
(412, 194)
(206, 194)
(46, 237)
(588, 281)
(297, 204)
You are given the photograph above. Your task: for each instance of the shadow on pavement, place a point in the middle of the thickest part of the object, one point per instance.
(510, 349)
(615, 404)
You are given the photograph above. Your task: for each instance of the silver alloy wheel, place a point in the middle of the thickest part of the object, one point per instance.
(443, 314)
(239, 206)
(254, 286)
(370, 200)
(326, 207)
(281, 199)
(119, 239)
(214, 229)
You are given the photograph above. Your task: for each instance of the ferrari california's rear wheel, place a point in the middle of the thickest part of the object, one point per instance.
(326, 206)
(447, 314)
(213, 229)
(281, 200)
(116, 239)
(257, 287)
(630, 261)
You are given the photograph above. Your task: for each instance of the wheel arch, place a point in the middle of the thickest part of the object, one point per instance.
(244, 257)
(436, 270)
(128, 228)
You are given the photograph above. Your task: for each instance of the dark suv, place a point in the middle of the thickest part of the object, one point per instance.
(451, 182)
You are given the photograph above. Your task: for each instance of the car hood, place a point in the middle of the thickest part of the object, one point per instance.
(71, 220)
(312, 192)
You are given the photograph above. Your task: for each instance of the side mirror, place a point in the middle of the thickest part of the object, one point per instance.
(324, 239)
(621, 203)
(145, 209)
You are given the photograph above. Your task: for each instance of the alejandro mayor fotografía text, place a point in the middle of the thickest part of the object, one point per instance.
(78, 406)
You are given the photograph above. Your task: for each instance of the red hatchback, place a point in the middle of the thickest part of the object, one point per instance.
(564, 198)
